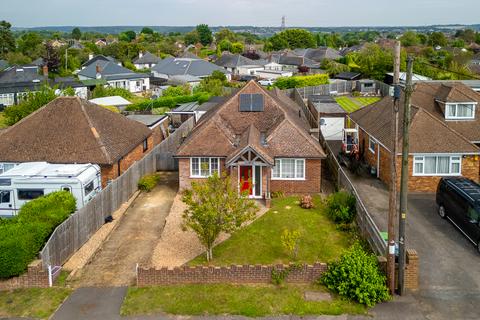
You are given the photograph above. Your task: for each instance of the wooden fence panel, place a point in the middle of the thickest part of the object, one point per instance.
(69, 236)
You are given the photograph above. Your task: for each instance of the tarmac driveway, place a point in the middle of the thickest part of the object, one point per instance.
(133, 241)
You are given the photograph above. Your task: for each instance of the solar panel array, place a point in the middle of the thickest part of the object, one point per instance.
(251, 102)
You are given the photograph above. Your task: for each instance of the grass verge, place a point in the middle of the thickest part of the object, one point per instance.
(33, 303)
(224, 299)
(260, 242)
(2, 121)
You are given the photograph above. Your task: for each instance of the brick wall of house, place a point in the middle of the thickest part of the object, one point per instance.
(35, 277)
(311, 184)
(110, 172)
(184, 173)
(232, 274)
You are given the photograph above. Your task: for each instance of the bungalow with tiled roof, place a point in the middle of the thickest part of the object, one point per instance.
(444, 135)
(260, 139)
(73, 130)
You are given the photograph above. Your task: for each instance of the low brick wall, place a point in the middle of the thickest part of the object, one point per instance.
(232, 274)
(411, 269)
(35, 277)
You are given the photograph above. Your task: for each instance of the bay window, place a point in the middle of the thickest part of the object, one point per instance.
(289, 169)
(437, 165)
(204, 167)
(460, 111)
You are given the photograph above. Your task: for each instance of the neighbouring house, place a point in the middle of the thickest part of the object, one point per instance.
(318, 54)
(185, 111)
(146, 60)
(403, 78)
(57, 43)
(73, 130)
(17, 81)
(157, 123)
(261, 139)
(115, 101)
(349, 76)
(329, 115)
(115, 76)
(185, 69)
(444, 135)
(98, 58)
(101, 42)
(292, 62)
(240, 65)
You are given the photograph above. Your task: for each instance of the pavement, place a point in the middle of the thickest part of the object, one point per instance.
(133, 241)
(449, 263)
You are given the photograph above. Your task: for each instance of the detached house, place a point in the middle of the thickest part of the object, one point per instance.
(260, 139)
(240, 65)
(146, 60)
(73, 130)
(444, 135)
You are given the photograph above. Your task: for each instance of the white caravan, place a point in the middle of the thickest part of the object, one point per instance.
(31, 180)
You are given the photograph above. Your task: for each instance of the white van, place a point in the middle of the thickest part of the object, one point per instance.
(31, 180)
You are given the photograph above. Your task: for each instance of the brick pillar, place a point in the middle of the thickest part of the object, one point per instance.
(411, 270)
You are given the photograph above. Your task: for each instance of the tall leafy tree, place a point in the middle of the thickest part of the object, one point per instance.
(51, 58)
(409, 38)
(30, 44)
(437, 39)
(215, 206)
(204, 34)
(127, 36)
(191, 37)
(227, 34)
(372, 61)
(76, 34)
(147, 30)
(7, 41)
(292, 39)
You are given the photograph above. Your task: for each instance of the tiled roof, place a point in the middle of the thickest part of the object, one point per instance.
(147, 58)
(224, 130)
(71, 130)
(237, 60)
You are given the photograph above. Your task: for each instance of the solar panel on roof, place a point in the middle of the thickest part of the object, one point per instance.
(251, 103)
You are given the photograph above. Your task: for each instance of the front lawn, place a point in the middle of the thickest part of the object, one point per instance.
(351, 104)
(260, 242)
(225, 299)
(365, 101)
(31, 303)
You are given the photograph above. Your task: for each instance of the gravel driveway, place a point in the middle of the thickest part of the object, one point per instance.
(133, 241)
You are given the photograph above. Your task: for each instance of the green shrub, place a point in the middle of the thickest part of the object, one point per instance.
(168, 102)
(301, 81)
(105, 91)
(22, 237)
(356, 276)
(148, 182)
(341, 208)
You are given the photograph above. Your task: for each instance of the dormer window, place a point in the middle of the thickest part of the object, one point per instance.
(460, 111)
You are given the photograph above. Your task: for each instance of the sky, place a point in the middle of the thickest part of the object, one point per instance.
(308, 13)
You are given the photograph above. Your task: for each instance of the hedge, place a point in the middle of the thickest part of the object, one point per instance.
(148, 182)
(22, 237)
(168, 102)
(301, 81)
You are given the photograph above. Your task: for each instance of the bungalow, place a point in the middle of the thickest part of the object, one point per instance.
(187, 68)
(260, 139)
(292, 62)
(146, 60)
(444, 135)
(99, 57)
(73, 130)
(318, 54)
(115, 76)
(240, 65)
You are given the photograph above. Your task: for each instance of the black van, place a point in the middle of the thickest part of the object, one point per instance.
(458, 200)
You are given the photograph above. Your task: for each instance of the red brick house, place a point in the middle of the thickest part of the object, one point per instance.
(260, 138)
(73, 130)
(444, 135)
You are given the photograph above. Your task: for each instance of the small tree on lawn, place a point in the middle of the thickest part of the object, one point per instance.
(215, 206)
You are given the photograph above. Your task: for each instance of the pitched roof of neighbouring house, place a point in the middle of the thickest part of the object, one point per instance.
(147, 58)
(318, 54)
(428, 132)
(99, 57)
(224, 130)
(237, 60)
(189, 55)
(186, 66)
(20, 74)
(110, 71)
(71, 130)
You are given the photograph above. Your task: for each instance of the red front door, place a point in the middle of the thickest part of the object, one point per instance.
(246, 179)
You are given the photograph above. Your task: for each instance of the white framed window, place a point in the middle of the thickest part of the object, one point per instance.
(4, 167)
(454, 111)
(371, 144)
(437, 165)
(289, 169)
(204, 167)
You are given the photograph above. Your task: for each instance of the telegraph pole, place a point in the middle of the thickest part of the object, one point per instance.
(404, 178)
(392, 212)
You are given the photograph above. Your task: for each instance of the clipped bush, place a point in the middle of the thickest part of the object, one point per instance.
(306, 202)
(340, 207)
(356, 276)
(301, 81)
(22, 237)
(105, 91)
(148, 182)
(168, 102)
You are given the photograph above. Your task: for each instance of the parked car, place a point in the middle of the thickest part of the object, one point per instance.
(247, 78)
(266, 82)
(458, 200)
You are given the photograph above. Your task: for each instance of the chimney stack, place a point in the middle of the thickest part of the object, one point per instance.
(140, 54)
(90, 56)
(45, 71)
(98, 70)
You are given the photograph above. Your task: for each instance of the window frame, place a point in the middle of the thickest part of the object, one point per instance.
(448, 107)
(88, 185)
(210, 167)
(19, 191)
(297, 176)
(453, 159)
(370, 141)
(145, 145)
